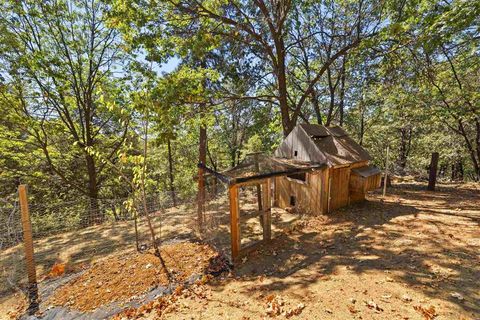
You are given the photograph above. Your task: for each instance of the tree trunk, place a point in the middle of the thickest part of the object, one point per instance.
(233, 157)
(316, 106)
(202, 158)
(432, 178)
(170, 173)
(477, 127)
(341, 104)
(331, 89)
(287, 123)
(362, 124)
(471, 150)
(459, 169)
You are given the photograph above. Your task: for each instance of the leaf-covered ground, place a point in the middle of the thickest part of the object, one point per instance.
(413, 255)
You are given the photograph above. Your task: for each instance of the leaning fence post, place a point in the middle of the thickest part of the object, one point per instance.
(28, 243)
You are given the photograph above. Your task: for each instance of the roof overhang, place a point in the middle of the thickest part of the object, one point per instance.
(262, 167)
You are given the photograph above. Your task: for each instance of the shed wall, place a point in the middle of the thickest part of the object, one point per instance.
(298, 145)
(339, 188)
(325, 190)
(360, 185)
(308, 198)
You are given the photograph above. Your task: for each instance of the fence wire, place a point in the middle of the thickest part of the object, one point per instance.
(79, 232)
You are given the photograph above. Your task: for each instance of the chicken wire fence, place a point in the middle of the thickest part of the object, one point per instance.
(77, 233)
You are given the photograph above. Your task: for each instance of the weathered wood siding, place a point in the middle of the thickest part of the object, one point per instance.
(373, 182)
(308, 195)
(298, 145)
(325, 190)
(357, 188)
(360, 185)
(339, 188)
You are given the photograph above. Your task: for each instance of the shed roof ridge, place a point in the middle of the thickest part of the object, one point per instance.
(327, 160)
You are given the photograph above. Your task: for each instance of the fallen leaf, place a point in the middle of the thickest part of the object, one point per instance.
(295, 311)
(428, 314)
(352, 309)
(58, 269)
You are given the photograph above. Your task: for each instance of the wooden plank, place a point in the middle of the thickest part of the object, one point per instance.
(339, 191)
(275, 192)
(359, 164)
(28, 246)
(220, 176)
(298, 145)
(325, 190)
(267, 206)
(253, 180)
(329, 192)
(234, 221)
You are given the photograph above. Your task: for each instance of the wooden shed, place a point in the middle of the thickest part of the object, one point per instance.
(316, 169)
(346, 177)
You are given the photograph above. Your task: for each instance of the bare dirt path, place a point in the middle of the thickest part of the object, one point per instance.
(413, 255)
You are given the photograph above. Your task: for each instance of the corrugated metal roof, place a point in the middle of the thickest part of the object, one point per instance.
(366, 171)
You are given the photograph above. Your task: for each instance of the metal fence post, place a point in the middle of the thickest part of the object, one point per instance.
(29, 257)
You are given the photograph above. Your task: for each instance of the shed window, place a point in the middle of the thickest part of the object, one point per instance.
(295, 153)
(299, 177)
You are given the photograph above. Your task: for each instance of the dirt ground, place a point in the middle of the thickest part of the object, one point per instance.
(413, 255)
(124, 276)
(80, 248)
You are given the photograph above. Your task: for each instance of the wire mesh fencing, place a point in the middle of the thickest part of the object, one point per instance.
(10, 225)
(79, 232)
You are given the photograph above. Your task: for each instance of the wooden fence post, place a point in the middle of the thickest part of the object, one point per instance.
(267, 211)
(28, 243)
(234, 221)
(258, 186)
(385, 179)
(432, 177)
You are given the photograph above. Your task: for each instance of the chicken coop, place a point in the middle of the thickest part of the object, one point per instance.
(345, 178)
(315, 170)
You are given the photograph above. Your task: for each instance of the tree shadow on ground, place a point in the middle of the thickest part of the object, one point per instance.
(434, 251)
